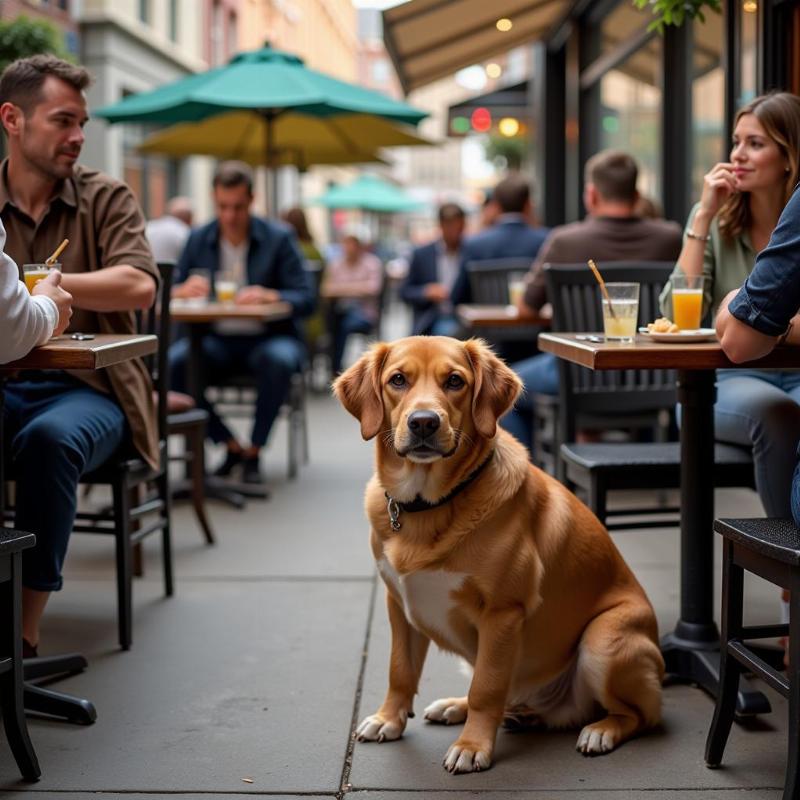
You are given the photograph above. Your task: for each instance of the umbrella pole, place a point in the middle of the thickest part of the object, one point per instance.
(270, 174)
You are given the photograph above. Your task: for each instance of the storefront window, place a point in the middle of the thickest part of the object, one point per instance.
(708, 100)
(630, 113)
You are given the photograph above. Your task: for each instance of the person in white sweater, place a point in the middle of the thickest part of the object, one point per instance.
(28, 320)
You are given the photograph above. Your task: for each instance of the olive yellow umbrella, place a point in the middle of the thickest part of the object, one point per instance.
(296, 139)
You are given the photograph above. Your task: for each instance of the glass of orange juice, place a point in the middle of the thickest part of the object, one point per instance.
(36, 272)
(687, 301)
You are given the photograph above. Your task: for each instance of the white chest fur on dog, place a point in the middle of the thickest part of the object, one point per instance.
(427, 598)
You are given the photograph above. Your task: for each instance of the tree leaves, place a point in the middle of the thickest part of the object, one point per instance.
(675, 12)
(22, 37)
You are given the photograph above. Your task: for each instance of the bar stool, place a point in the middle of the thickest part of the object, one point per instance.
(12, 543)
(769, 548)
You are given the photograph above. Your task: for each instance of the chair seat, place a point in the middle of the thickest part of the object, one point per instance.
(778, 539)
(185, 419)
(12, 541)
(597, 455)
(134, 469)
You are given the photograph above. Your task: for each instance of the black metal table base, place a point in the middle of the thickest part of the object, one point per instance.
(687, 662)
(38, 699)
(230, 492)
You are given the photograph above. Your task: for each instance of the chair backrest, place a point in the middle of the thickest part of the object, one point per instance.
(575, 296)
(156, 320)
(489, 279)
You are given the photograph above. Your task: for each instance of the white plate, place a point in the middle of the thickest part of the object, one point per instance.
(681, 337)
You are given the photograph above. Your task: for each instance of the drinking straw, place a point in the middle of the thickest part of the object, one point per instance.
(56, 253)
(593, 268)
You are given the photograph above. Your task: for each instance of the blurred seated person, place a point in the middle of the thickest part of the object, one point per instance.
(511, 236)
(352, 285)
(28, 320)
(431, 275)
(648, 208)
(295, 218)
(612, 231)
(167, 235)
(261, 257)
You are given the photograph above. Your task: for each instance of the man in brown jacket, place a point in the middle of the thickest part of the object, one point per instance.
(612, 231)
(60, 425)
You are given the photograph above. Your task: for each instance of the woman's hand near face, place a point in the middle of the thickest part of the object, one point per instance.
(718, 185)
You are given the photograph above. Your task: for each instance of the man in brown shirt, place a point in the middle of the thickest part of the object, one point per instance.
(60, 425)
(612, 231)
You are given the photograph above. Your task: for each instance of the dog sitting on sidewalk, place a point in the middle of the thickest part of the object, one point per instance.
(494, 560)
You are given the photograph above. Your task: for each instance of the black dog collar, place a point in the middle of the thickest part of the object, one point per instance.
(394, 507)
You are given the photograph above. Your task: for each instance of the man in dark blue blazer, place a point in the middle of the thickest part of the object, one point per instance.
(431, 275)
(262, 259)
(510, 237)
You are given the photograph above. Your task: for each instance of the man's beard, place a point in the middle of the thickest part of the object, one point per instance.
(50, 167)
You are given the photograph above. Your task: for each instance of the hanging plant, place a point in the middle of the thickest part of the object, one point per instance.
(674, 12)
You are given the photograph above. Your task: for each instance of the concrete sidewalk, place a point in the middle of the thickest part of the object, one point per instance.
(250, 680)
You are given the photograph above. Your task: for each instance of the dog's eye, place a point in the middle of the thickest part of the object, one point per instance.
(398, 380)
(454, 382)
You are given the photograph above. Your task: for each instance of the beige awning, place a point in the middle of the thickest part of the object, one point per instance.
(430, 39)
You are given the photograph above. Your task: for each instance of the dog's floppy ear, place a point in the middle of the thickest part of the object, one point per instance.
(496, 387)
(359, 389)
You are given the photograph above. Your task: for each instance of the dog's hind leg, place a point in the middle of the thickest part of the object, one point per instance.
(409, 648)
(448, 710)
(622, 665)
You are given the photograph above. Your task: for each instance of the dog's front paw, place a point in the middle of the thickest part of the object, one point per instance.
(448, 710)
(467, 756)
(377, 728)
(596, 739)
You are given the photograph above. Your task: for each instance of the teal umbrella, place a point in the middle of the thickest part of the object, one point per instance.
(369, 193)
(265, 80)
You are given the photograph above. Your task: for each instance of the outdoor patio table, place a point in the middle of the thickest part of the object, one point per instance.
(482, 316)
(691, 650)
(199, 317)
(66, 352)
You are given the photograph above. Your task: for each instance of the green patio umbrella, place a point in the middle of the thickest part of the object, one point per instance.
(267, 81)
(369, 193)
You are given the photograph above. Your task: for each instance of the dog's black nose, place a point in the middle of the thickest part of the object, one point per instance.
(423, 423)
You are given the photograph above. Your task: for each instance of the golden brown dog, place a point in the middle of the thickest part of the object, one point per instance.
(494, 560)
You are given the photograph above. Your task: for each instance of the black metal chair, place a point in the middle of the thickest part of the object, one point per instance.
(769, 548)
(619, 399)
(488, 282)
(608, 399)
(12, 543)
(141, 494)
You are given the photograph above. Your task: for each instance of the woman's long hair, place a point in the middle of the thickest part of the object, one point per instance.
(296, 217)
(779, 114)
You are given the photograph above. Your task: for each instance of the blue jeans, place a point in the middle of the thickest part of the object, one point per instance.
(539, 376)
(761, 409)
(446, 325)
(344, 324)
(272, 360)
(55, 431)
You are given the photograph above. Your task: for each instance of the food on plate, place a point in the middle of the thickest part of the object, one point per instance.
(662, 325)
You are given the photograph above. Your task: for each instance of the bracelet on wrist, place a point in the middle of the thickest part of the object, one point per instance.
(700, 238)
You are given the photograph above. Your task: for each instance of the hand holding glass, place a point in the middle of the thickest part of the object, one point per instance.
(36, 272)
(619, 319)
(687, 301)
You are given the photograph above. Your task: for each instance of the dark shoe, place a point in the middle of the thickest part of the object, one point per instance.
(250, 470)
(232, 460)
(28, 650)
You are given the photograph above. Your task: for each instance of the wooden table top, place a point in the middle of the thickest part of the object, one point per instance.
(499, 316)
(104, 350)
(183, 311)
(645, 354)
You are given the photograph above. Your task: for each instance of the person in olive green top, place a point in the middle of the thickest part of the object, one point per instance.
(314, 262)
(738, 210)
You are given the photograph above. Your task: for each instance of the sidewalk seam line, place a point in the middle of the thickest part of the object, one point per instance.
(344, 783)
